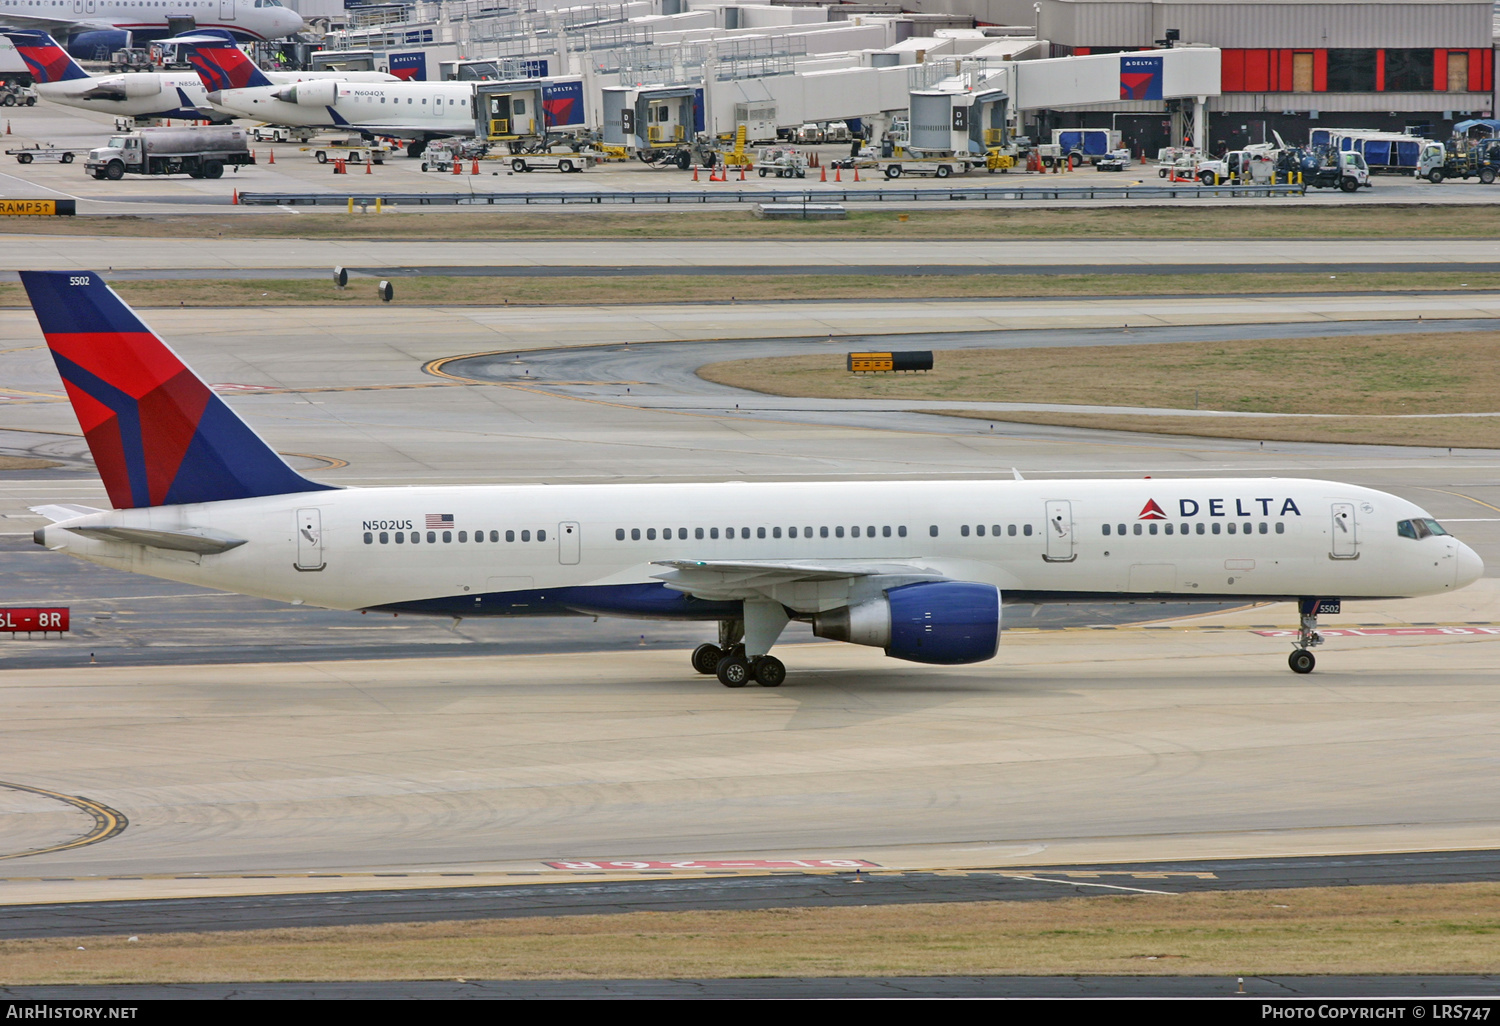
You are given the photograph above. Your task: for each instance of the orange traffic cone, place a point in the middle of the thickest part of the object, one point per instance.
(475, 169)
(856, 172)
(234, 200)
(273, 158)
(695, 172)
(458, 166)
(369, 164)
(7, 127)
(742, 172)
(838, 174)
(824, 177)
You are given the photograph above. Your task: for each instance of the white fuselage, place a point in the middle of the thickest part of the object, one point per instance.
(247, 19)
(1237, 538)
(404, 109)
(139, 94)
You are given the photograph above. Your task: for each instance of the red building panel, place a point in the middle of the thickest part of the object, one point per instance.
(1440, 71)
(1320, 71)
(1380, 71)
(1232, 71)
(1285, 63)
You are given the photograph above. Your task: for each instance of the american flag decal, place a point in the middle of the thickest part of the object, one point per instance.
(439, 520)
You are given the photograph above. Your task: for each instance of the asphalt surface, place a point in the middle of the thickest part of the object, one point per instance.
(740, 893)
(1224, 988)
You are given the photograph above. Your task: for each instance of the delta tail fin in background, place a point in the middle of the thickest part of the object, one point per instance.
(45, 59)
(222, 65)
(159, 435)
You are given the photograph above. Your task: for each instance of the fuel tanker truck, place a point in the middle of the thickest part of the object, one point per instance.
(200, 151)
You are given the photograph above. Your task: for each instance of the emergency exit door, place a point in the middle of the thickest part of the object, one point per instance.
(309, 540)
(1059, 532)
(226, 9)
(567, 543)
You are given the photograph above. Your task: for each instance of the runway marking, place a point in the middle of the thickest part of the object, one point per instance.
(1084, 883)
(712, 864)
(1461, 495)
(1139, 874)
(107, 822)
(334, 463)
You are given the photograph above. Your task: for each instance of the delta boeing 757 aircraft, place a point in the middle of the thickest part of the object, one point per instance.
(917, 571)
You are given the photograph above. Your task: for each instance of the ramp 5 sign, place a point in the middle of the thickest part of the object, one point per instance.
(1140, 78)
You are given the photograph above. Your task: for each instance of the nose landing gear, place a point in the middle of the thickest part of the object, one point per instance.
(1301, 660)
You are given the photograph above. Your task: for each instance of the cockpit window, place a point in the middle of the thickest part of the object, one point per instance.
(1420, 527)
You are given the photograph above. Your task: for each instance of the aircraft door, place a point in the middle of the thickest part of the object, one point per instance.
(567, 543)
(310, 540)
(1345, 532)
(437, 106)
(226, 9)
(1059, 532)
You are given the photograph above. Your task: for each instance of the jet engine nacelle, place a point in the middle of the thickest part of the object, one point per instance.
(98, 44)
(930, 622)
(129, 87)
(310, 94)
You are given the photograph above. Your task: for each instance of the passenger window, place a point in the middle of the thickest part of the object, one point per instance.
(1106, 530)
(760, 532)
(963, 530)
(369, 538)
(526, 536)
(791, 532)
(635, 534)
(447, 537)
(1280, 528)
(463, 536)
(1201, 529)
(541, 536)
(510, 536)
(1026, 530)
(838, 532)
(698, 533)
(979, 530)
(1231, 527)
(401, 537)
(932, 530)
(1167, 528)
(1216, 529)
(619, 534)
(431, 537)
(885, 532)
(870, 531)
(854, 531)
(1137, 528)
(713, 532)
(682, 534)
(1151, 528)
(650, 534)
(775, 532)
(744, 532)
(901, 530)
(383, 538)
(822, 532)
(495, 536)
(1263, 529)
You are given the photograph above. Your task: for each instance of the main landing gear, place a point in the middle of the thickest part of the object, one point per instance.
(1301, 660)
(728, 659)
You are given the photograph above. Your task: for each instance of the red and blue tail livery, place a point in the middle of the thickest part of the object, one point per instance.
(221, 65)
(159, 435)
(46, 61)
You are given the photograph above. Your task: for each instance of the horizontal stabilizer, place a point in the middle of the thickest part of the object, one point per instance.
(193, 539)
(63, 511)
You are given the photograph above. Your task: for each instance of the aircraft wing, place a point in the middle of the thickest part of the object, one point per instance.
(802, 583)
(53, 26)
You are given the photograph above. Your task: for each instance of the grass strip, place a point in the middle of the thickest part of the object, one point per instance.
(657, 289)
(1284, 220)
(25, 463)
(1450, 928)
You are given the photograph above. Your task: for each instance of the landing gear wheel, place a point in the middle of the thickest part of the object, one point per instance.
(733, 671)
(1301, 661)
(770, 671)
(706, 659)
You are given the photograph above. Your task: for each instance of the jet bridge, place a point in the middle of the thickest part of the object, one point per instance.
(948, 121)
(528, 108)
(645, 118)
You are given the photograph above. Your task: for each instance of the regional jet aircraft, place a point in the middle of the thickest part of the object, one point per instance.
(919, 571)
(94, 29)
(416, 111)
(140, 94)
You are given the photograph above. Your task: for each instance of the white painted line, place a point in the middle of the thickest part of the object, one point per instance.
(1083, 883)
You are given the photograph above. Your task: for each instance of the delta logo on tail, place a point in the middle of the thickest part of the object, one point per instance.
(223, 66)
(46, 61)
(1152, 511)
(158, 434)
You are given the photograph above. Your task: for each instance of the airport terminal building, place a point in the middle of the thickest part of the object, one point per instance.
(1420, 64)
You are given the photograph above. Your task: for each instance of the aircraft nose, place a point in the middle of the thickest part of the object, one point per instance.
(1470, 567)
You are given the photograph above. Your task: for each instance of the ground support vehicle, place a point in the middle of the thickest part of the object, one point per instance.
(442, 154)
(565, 163)
(282, 133)
(351, 150)
(782, 162)
(1112, 164)
(1483, 160)
(13, 94)
(135, 58)
(202, 152)
(1437, 163)
(931, 166)
(41, 155)
(1325, 168)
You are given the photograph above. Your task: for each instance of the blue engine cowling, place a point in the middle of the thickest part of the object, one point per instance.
(98, 44)
(944, 622)
(928, 622)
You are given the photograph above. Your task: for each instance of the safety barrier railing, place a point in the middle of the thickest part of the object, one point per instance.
(872, 193)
